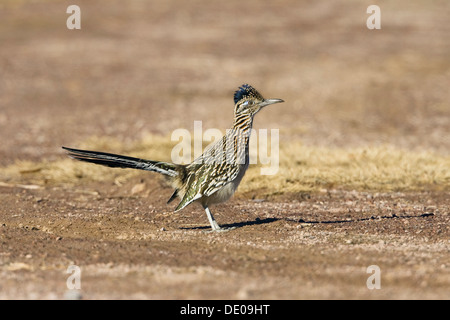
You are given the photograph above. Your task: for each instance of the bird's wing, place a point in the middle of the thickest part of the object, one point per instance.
(207, 180)
(220, 176)
(219, 165)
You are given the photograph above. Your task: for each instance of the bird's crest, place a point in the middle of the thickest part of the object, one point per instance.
(246, 91)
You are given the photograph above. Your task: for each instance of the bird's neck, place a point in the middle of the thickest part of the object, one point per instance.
(243, 122)
(239, 136)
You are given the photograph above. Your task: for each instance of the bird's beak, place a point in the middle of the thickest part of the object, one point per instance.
(269, 101)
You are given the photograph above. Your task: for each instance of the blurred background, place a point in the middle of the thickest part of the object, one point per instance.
(149, 67)
(364, 148)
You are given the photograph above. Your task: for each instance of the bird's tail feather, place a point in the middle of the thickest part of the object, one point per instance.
(118, 161)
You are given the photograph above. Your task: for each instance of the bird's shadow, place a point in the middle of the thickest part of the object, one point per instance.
(237, 224)
(392, 216)
(259, 221)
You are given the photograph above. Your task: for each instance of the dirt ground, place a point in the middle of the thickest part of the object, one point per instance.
(147, 68)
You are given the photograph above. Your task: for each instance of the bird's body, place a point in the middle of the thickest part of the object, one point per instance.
(214, 176)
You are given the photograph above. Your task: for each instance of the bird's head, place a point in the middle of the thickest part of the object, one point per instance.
(249, 101)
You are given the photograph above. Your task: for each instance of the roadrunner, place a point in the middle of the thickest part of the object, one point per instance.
(215, 175)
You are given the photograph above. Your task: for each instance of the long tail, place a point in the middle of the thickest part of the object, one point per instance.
(118, 161)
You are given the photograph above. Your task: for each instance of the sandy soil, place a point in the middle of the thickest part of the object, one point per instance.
(133, 246)
(145, 68)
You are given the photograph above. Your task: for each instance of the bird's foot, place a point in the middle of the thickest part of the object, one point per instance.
(221, 229)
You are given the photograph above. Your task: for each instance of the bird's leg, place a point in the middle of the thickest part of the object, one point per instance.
(214, 225)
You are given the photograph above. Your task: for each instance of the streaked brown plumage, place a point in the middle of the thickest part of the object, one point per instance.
(215, 175)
